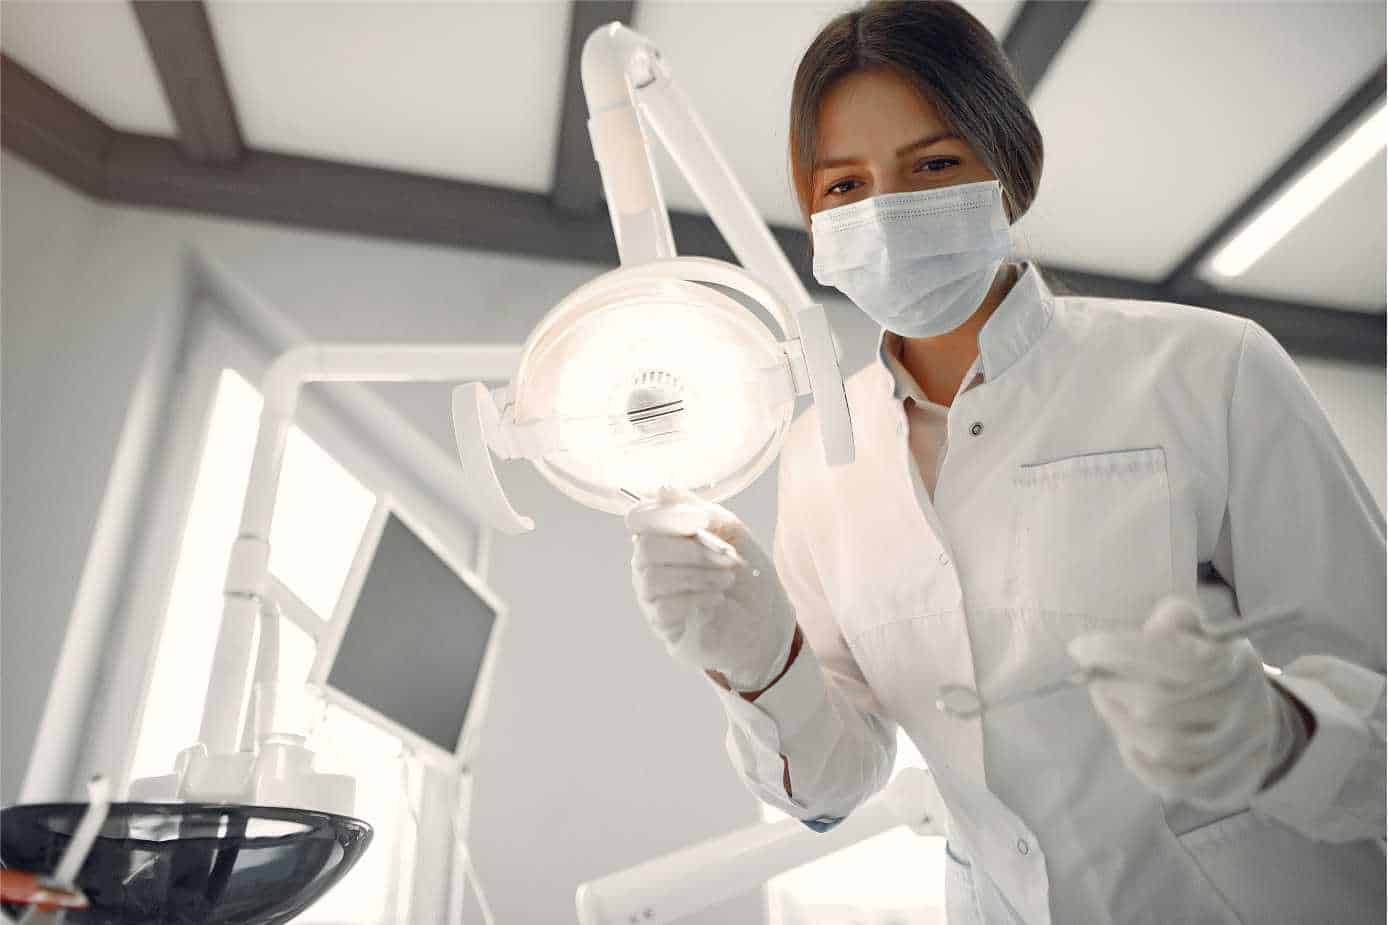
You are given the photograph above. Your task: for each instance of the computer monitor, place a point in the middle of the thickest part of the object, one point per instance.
(412, 640)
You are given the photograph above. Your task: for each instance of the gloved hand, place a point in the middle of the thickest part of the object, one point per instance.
(1195, 719)
(709, 612)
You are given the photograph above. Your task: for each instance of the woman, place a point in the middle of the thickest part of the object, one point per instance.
(1042, 482)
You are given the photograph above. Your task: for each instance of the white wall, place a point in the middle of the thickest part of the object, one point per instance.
(597, 752)
(80, 302)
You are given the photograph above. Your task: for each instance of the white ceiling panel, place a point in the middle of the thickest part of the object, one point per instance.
(469, 91)
(1334, 257)
(95, 54)
(736, 62)
(1159, 118)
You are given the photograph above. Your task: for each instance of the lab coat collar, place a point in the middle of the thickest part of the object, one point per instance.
(1017, 323)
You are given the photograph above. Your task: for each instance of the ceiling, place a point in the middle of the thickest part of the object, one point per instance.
(1159, 118)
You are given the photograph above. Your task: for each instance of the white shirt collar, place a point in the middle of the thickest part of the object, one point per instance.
(1009, 332)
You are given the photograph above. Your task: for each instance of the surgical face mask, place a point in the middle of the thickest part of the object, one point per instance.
(918, 263)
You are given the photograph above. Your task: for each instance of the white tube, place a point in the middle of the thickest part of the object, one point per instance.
(229, 681)
(98, 805)
(691, 879)
(689, 143)
(614, 59)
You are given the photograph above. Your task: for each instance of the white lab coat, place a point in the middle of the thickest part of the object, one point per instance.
(1116, 451)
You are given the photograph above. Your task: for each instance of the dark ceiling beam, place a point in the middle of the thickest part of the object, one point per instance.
(180, 40)
(45, 128)
(1303, 329)
(1184, 279)
(333, 196)
(1034, 37)
(577, 186)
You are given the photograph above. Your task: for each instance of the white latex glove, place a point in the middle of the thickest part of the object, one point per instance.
(709, 612)
(1195, 719)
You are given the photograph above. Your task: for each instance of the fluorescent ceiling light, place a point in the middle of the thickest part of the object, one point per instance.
(1301, 198)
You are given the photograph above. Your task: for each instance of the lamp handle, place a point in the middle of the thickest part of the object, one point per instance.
(477, 426)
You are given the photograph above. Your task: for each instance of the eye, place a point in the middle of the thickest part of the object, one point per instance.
(841, 188)
(937, 164)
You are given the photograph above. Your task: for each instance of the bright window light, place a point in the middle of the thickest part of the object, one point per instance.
(178, 686)
(895, 872)
(321, 511)
(345, 744)
(1303, 197)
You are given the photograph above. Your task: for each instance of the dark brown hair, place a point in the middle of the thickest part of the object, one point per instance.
(955, 63)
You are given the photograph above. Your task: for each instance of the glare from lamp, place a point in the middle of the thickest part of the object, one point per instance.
(1302, 197)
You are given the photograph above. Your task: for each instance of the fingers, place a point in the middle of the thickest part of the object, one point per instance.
(658, 582)
(659, 549)
(673, 616)
(1174, 614)
(1162, 652)
(1168, 740)
(1135, 655)
(1221, 781)
(721, 521)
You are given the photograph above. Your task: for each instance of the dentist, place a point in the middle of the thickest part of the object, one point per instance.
(1043, 482)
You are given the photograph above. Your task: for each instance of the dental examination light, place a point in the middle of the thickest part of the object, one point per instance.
(653, 374)
(658, 372)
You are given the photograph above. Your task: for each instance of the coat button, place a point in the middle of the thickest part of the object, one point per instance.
(976, 429)
(1023, 847)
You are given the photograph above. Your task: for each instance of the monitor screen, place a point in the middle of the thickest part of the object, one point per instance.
(414, 643)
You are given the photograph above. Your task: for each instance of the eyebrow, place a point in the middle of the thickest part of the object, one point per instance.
(904, 149)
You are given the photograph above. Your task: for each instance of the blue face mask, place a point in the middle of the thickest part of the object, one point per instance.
(917, 263)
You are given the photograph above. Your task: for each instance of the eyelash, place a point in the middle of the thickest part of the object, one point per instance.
(949, 161)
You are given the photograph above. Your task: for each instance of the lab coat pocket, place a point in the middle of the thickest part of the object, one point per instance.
(961, 900)
(1266, 872)
(1093, 535)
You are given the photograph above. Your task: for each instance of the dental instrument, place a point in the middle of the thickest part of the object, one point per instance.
(963, 702)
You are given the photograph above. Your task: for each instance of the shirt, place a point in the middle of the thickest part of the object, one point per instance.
(927, 421)
(1115, 451)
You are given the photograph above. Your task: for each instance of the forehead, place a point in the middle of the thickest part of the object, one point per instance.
(871, 109)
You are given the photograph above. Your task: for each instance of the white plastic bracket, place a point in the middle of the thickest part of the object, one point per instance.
(248, 566)
(477, 427)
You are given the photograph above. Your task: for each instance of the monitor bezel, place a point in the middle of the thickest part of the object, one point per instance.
(330, 641)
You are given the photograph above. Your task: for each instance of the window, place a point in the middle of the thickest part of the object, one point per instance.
(897, 876)
(321, 512)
